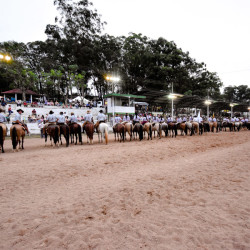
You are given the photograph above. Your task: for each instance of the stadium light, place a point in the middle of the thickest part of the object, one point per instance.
(113, 80)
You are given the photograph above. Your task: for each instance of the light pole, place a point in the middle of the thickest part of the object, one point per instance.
(172, 96)
(231, 105)
(208, 102)
(113, 79)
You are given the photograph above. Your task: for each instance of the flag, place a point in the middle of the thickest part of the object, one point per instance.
(213, 114)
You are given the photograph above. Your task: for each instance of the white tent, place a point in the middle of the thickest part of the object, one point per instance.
(79, 98)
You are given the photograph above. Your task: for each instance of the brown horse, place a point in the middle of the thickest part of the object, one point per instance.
(64, 130)
(138, 129)
(16, 133)
(89, 128)
(3, 133)
(196, 127)
(128, 129)
(75, 130)
(173, 128)
(147, 127)
(119, 129)
(54, 132)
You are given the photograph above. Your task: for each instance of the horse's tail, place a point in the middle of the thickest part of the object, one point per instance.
(175, 130)
(131, 131)
(67, 136)
(79, 132)
(186, 129)
(150, 131)
(1, 137)
(123, 133)
(14, 140)
(106, 135)
(141, 132)
(56, 136)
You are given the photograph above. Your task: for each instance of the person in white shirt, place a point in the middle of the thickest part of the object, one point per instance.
(61, 119)
(50, 120)
(118, 119)
(87, 119)
(170, 119)
(100, 119)
(18, 120)
(196, 119)
(179, 120)
(2, 116)
(126, 118)
(136, 118)
(73, 118)
(214, 119)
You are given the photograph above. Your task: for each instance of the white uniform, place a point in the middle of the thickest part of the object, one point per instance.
(73, 119)
(88, 118)
(61, 119)
(101, 117)
(118, 119)
(17, 118)
(126, 118)
(136, 118)
(2, 118)
(51, 118)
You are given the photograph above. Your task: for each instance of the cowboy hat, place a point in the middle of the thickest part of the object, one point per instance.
(72, 113)
(1, 110)
(88, 111)
(101, 111)
(61, 113)
(18, 110)
(51, 112)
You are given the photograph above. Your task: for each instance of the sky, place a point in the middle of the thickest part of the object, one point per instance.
(216, 32)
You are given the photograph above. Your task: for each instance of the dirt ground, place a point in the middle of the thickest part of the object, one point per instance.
(170, 193)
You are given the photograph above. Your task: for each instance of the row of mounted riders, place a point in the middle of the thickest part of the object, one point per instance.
(186, 128)
(73, 131)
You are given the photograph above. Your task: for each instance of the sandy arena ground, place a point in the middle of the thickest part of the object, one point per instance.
(174, 193)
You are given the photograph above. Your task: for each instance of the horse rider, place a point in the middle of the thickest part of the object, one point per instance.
(144, 119)
(149, 117)
(136, 118)
(154, 119)
(17, 120)
(161, 119)
(61, 119)
(184, 119)
(118, 119)
(126, 118)
(214, 119)
(72, 118)
(87, 119)
(179, 120)
(2, 116)
(100, 118)
(170, 119)
(50, 120)
(196, 119)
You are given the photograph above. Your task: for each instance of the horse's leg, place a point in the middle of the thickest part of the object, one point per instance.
(22, 142)
(76, 138)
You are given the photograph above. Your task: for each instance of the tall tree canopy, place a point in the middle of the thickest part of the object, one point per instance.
(78, 55)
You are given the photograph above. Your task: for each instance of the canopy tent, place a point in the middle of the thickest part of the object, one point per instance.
(79, 98)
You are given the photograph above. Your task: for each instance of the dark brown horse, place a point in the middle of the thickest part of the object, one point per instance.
(64, 130)
(54, 132)
(173, 128)
(119, 130)
(138, 129)
(16, 133)
(75, 131)
(3, 133)
(89, 128)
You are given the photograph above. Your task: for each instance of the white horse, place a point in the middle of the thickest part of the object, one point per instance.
(158, 128)
(102, 131)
